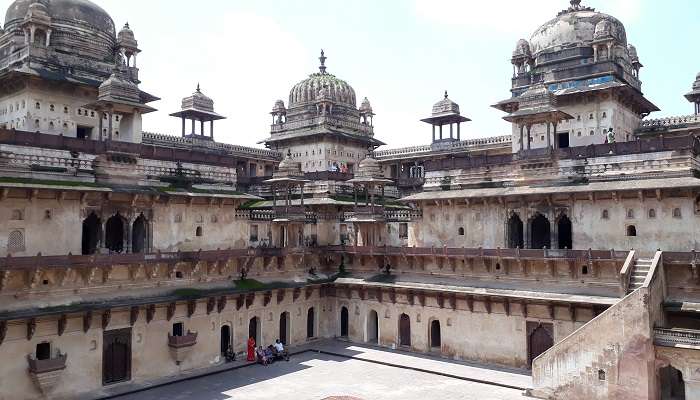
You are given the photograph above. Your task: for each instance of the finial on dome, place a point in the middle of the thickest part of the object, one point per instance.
(198, 89)
(445, 94)
(575, 3)
(126, 26)
(323, 58)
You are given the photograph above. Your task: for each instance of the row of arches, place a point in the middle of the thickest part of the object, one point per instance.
(116, 234)
(404, 329)
(539, 233)
(284, 333)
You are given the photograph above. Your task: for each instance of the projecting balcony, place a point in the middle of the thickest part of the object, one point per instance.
(180, 346)
(46, 373)
(687, 338)
(410, 182)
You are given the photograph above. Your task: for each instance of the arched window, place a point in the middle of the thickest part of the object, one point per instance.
(677, 213)
(630, 214)
(51, 107)
(605, 214)
(17, 215)
(199, 231)
(15, 241)
(37, 106)
(631, 231)
(652, 213)
(460, 231)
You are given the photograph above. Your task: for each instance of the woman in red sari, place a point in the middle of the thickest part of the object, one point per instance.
(251, 349)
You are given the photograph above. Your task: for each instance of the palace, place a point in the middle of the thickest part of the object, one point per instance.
(566, 248)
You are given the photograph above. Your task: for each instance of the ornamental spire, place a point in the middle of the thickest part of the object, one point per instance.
(323, 58)
(445, 94)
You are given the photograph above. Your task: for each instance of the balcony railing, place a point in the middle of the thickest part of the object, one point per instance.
(676, 337)
(56, 363)
(177, 342)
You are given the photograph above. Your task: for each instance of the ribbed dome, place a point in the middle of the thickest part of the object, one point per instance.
(80, 11)
(522, 48)
(322, 85)
(576, 27)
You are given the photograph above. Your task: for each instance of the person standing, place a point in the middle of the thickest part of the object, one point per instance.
(251, 349)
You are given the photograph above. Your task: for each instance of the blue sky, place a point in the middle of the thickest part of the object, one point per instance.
(401, 54)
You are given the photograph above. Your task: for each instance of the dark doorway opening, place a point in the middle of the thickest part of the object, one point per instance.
(310, 323)
(541, 233)
(83, 132)
(373, 327)
(91, 234)
(43, 351)
(344, 322)
(515, 232)
(114, 235)
(178, 329)
(563, 140)
(253, 330)
(671, 384)
(540, 338)
(139, 235)
(404, 330)
(116, 356)
(435, 340)
(564, 233)
(225, 338)
(284, 328)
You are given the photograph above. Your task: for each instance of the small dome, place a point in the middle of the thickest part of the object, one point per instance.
(278, 107)
(288, 168)
(83, 12)
(634, 57)
(696, 84)
(369, 167)
(120, 88)
(603, 30)
(38, 12)
(198, 101)
(445, 106)
(332, 88)
(575, 26)
(365, 107)
(522, 48)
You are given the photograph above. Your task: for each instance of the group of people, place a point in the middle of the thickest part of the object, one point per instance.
(267, 355)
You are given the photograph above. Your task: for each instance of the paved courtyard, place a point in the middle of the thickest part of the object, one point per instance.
(316, 376)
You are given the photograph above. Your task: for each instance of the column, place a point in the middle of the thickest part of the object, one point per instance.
(440, 132)
(451, 131)
(193, 126)
(183, 126)
(549, 133)
(458, 133)
(32, 31)
(554, 134)
(201, 127)
(100, 124)
(110, 116)
(433, 133)
(301, 189)
(211, 129)
(48, 37)
(595, 53)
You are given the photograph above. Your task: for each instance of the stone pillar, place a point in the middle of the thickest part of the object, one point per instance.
(549, 134)
(433, 133)
(595, 53)
(110, 116)
(211, 129)
(100, 124)
(183, 126)
(451, 131)
(522, 143)
(201, 127)
(458, 133)
(193, 126)
(555, 136)
(32, 31)
(48, 37)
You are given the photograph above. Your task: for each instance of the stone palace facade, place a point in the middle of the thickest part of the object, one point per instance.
(566, 248)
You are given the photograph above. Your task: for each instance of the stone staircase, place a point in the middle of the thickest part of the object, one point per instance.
(639, 273)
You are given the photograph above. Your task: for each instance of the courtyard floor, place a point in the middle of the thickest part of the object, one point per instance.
(316, 375)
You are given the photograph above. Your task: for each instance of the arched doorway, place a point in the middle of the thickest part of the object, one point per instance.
(404, 330)
(225, 338)
(344, 322)
(671, 384)
(284, 328)
(515, 232)
(435, 339)
(114, 234)
(116, 356)
(254, 330)
(310, 323)
(91, 234)
(139, 235)
(540, 339)
(540, 232)
(564, 232)
(373, 327)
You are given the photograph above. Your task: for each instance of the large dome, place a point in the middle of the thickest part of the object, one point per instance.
(575, 27)
(322, 84)
(73, 11)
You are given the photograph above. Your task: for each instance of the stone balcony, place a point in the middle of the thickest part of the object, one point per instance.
(676, 337)
(366, 214)
(181, 346)
(289, 214)
(46, 373)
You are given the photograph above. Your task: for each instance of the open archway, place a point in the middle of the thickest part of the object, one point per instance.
(254, 330)
(540, 338)
(435, 338)
(344, 317)
(671, 384)
(114, 234)
(284, 328)
(540, 232)
(91, 234)
(139, 235)
(564, 235)
(515, 232)
(373, 327)
(225, 339)
(404, 330)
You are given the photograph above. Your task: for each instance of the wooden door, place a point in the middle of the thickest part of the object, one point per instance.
(540, 339)
(116, 356)
(404, 330)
